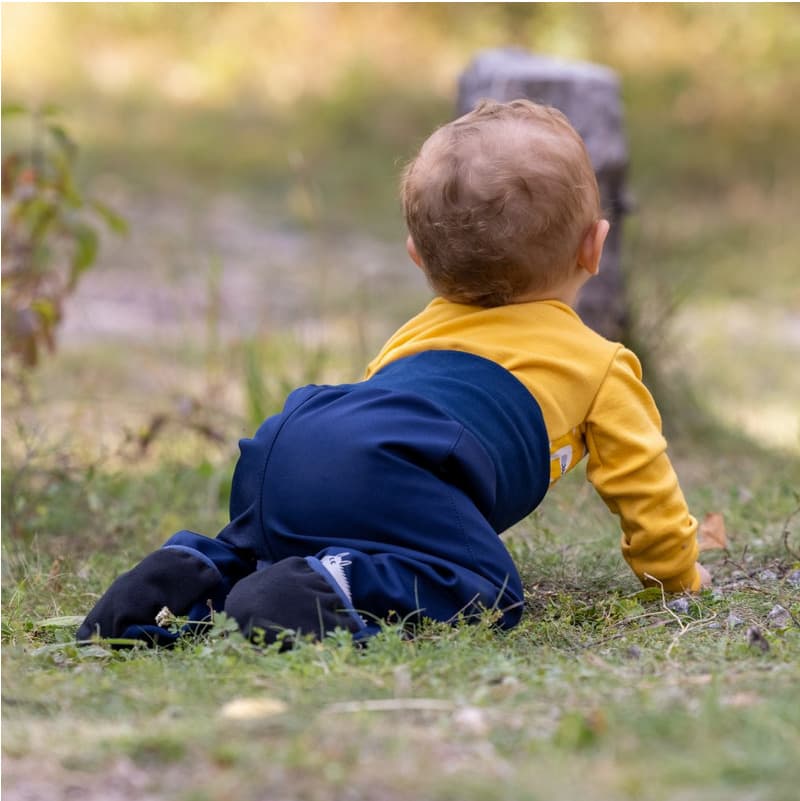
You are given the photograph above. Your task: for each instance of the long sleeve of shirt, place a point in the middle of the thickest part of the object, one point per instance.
(631, 471)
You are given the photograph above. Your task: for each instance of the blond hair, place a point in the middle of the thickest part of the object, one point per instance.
(498, 201)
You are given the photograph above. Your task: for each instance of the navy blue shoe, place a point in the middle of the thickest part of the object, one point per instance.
(296, 595)
(170, 577)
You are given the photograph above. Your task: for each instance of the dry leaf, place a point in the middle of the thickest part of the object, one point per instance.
(253, 708)
(711, 533)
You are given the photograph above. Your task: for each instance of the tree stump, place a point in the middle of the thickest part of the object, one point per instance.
(589, 96)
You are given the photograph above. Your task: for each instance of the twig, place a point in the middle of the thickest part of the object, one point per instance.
(657, 624)
(794, 554)
(739, 565)
(684, 627)
(391, 705)
(634, 618)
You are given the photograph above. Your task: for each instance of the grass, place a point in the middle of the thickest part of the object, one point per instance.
(516, 718)
(603, 690)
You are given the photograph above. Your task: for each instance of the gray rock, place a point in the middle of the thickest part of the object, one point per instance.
(680, 606)
(793, 578)
(767, 575)
(733, 620)
(779, 617)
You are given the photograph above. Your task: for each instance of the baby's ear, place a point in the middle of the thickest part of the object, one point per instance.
(591, 248)
(412, 251)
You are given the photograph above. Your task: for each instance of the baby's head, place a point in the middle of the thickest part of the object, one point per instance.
(498, 202)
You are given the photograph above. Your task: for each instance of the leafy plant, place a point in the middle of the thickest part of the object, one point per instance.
(50, 232)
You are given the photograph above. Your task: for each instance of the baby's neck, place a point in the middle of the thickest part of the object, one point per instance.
(567, 296)
(566, 291)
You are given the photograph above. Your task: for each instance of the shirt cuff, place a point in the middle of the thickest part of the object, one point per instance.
(688, 581)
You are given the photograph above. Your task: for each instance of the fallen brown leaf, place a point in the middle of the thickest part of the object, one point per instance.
(711, 532)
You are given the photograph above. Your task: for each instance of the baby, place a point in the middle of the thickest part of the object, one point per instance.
(385, 498)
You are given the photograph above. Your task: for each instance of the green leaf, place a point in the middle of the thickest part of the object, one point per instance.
(46, 310)
(649, 594)
(69, 191)
(124, 641)
(50, 110)
(62, 622)
(39, 214)
(86, 244)
(63, 140)
(11, 109)
(114, 221)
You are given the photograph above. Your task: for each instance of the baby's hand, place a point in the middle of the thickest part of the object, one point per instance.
(705, 576)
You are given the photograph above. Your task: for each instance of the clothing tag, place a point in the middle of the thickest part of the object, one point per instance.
(564, 457)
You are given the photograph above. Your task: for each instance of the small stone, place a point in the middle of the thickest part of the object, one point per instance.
(767, 575)
(734, 620)
(794, 578)
(714, 626)
(717, 594)
(756, 639)
(679, 606)
(633, 652)
(779, 617)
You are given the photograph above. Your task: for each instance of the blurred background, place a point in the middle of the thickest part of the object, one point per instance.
(248, 232)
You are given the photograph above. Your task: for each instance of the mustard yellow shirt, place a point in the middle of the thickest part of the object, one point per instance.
(593, 401)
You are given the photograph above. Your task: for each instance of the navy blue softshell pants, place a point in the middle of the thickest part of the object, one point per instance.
(406, 479)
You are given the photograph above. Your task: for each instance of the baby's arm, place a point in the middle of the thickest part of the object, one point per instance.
(629, 467)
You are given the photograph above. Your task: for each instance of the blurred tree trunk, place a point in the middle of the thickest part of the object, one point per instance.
(588, 95)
